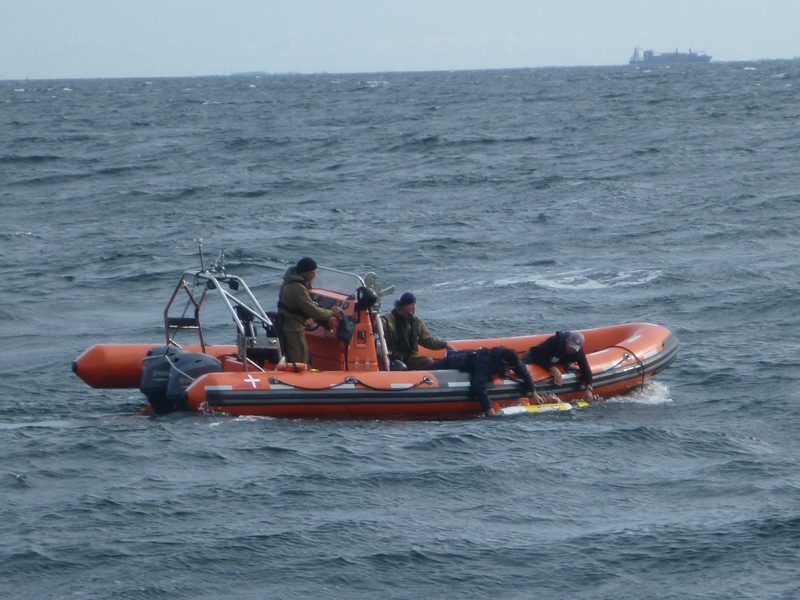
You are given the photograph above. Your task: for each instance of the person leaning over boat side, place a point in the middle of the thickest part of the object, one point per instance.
(405, 333)
(484, 363)
(563, 348)
(295, 308)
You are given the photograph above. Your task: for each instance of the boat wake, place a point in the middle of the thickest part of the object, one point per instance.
(653, 392)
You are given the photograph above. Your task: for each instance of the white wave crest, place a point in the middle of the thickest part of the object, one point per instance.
(585, 280)
(653, 392)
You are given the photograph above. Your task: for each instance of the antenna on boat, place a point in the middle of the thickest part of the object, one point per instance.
(200, 249)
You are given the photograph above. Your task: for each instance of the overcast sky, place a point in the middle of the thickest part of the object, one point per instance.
(150, 38)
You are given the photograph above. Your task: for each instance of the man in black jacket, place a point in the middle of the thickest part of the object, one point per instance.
(484, 363)
(563, 348)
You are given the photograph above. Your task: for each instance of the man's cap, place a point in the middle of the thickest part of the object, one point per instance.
(406, 298)
(305, 264)
(574, 340)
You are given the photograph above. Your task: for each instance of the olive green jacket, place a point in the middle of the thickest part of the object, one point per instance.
(404, 335)
(295, 305)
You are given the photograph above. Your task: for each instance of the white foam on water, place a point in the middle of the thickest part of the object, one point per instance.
(653, 392)
(40, 425)
(584, 280)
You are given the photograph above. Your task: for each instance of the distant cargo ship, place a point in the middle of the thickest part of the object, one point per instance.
(667, 58)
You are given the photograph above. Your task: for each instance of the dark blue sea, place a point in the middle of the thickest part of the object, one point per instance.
(509, 202)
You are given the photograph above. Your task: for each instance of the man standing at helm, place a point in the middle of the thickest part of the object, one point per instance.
(295, 308)
(405, 333)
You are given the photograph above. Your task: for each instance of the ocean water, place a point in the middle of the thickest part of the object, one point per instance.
(509, 202)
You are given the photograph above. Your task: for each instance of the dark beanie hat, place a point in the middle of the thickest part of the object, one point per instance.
(305, 264)
(407, 298)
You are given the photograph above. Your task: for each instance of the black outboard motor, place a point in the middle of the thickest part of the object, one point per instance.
(156, 368)
(166, 373)
(185, 369)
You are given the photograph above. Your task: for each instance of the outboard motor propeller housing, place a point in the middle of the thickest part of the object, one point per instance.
(166, 373)
(156, 368)
(185, 369)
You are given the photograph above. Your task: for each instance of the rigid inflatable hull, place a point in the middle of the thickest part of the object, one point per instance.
(405, 395)
(622, 357)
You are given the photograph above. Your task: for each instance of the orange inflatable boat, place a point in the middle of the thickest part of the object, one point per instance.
(351, 378)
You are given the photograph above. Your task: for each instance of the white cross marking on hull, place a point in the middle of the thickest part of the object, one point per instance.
(253, 380)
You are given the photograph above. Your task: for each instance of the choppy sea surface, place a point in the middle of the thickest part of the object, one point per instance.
(509, 202)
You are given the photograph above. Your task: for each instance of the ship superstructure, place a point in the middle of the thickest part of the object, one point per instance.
(667, 58)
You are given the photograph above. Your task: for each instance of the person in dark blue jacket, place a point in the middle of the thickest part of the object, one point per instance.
(484, 363)
(564, 348)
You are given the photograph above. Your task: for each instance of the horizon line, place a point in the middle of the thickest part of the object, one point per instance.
(257, 72)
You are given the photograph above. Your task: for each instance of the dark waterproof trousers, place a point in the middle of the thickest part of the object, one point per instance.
(294, 346)
(478, 364)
